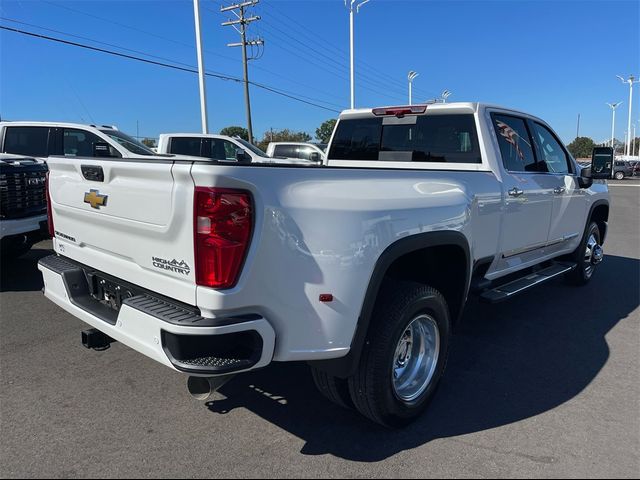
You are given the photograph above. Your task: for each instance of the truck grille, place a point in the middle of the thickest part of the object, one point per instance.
(22, 193)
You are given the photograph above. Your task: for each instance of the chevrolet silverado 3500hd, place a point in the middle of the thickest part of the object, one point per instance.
(360, 267)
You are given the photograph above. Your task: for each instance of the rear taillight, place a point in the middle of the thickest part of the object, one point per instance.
(223, 219)
(49, 209)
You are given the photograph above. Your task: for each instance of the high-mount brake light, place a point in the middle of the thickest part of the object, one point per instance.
(400, 111)
(222, 224)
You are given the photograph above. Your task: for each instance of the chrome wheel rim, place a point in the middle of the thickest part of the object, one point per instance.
(593, 255)
(416, 358)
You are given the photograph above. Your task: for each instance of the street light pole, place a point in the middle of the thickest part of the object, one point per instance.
(631, 80)
(203, 92)
(411, 76)
(352, 5)
(444, 95)
(613, 107)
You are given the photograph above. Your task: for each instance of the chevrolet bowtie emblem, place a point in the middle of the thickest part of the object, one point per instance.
(93, 198)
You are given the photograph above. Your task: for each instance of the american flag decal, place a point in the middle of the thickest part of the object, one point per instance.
(511, 135)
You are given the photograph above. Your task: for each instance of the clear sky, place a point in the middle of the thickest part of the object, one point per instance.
(555, 59)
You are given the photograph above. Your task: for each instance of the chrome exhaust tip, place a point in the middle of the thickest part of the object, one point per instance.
(201, 388)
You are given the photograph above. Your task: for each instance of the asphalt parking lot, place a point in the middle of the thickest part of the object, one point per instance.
(547, 385)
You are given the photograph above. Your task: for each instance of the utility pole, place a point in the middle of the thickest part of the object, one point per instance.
(354, 7)
(631, 80)
(240, 25)
(613, 107)
(578, 127)
(201, 80)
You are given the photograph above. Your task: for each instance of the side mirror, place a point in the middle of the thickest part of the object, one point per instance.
(241, 156)
(101, 149)
(315, 157)
(602, 160)
(585, 180)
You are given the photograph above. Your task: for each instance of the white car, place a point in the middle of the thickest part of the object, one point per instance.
(361, 266)
(219, 147)
(302, 150)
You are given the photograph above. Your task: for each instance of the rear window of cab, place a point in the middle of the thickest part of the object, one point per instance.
(450, 138)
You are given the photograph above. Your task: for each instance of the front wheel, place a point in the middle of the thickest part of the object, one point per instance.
(587, 256)
(404, 355)
(619, 175)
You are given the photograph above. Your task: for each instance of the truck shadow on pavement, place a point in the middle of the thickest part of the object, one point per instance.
(21, 274)
(508, 362)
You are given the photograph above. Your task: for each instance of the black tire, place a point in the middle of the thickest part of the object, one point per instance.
(618, 175)
(581, 275)
(11, 252)
(333, 388)
(372, 387)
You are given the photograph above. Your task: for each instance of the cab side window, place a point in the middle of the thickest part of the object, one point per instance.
(515, 143)
(550, 151)
(80, 143)
(31, 141)
(185, 146)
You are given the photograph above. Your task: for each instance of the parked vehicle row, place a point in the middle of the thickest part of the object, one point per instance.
(28, 145)
(360, 266)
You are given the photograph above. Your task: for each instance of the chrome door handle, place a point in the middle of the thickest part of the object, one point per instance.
(515, 192)
(559, 190)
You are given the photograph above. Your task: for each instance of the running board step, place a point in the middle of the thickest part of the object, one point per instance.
(508, 290)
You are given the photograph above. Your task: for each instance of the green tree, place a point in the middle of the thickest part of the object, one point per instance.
(235, 132)
(581, 147)
(324, 131)
(284, 135)
(149, 142)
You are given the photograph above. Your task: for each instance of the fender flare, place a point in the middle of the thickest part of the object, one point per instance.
(595, 205)
(346, 366)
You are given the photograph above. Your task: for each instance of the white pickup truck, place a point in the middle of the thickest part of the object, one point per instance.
(361, 266)
(221, 148)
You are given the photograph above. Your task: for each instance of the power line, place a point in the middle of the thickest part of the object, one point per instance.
(166, 65)
(333, 69)
(183, 44)
(294, 24)
(329, 63)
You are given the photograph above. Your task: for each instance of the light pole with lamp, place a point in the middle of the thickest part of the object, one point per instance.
(201, 72)
(353, 5)
(631, 80)
(444, 95)
(613, 107)
(412, 75)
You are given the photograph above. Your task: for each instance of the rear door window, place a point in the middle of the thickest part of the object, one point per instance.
(285, 151)
(450, 138)
(80, 143)
(31, 141)
(223, 150)
(515, 143)
(186, 146)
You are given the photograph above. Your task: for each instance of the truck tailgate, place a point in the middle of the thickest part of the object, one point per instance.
(131, 219)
